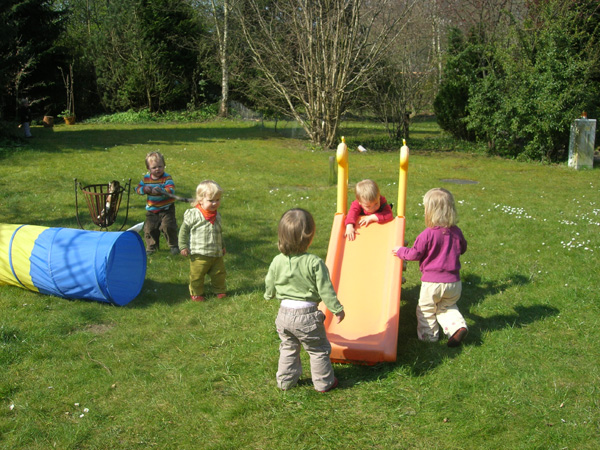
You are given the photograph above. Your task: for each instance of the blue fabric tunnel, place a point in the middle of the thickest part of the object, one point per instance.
(77, 264)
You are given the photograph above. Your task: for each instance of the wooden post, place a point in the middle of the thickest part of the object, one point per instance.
(332, 170)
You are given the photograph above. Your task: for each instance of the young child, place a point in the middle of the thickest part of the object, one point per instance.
(300, 281)
(369, 204)
(201, 238)
(160, 207)
(438, 249)
(25, 117)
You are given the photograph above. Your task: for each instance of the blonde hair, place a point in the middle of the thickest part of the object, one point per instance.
(366, 191)
(296, 231)
(154, 156)
(207, 189)
(439, 208)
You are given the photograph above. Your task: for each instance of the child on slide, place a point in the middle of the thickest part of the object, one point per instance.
(369, 207)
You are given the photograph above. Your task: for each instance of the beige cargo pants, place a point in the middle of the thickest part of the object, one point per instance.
(304, 327)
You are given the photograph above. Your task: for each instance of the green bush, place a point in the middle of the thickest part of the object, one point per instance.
(543, 80)
(205, 113)
(460, 72)
(535, 81)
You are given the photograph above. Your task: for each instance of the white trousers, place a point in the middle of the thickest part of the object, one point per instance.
(26, 129)
(437, 308)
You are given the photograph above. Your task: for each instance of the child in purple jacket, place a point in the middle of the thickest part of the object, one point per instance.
(438, 249)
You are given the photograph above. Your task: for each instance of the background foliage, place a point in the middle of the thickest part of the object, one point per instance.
(30, 52)
(509, 74)
(520, 93)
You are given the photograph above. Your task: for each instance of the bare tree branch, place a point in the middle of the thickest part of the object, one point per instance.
(315, 54)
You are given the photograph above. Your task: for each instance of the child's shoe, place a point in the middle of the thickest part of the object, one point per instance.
(174, 250)
(197, 298)
(332, 387)
(221, 295)
(457, 337)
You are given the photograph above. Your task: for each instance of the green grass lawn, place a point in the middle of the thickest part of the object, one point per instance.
(167, 373)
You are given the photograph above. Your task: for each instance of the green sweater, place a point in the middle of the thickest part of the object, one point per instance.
(200, 236)
(301, 277)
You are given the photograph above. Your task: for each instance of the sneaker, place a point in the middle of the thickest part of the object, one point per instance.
(332, 387)
(197, 298)
(457, 337)
(221, 295)
(174, 250)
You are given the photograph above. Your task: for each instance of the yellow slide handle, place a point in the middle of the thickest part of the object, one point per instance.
(402, 182)
(342, 183)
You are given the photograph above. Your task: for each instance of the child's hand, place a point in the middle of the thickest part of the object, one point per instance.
(395, 250)
(340, 316)
(147, 190)
(185, 252)
(350, 232)
(366, 220)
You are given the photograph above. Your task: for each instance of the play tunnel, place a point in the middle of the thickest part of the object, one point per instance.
(103, 266)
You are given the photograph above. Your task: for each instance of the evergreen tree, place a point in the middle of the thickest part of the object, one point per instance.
(464, 67)
(30, 54)
(546, 75)
(146, 55)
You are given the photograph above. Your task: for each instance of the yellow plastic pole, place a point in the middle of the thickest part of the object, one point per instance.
(342, 184)
(402, 179)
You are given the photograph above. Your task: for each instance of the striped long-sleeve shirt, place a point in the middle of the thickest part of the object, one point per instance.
(155, 203)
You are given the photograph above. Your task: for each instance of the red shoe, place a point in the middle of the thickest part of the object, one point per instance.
(197, 298)
(221, 295)
(457, 337)
(332, 387)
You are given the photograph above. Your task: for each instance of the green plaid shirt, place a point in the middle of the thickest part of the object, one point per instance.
(200, 236)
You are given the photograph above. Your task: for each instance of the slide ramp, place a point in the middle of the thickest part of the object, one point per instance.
(368, 279)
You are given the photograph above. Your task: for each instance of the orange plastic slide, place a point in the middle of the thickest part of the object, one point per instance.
(367, 278)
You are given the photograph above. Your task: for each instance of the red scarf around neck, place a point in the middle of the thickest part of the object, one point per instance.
(208, 215)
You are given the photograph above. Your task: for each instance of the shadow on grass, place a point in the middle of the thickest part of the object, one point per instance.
(103, 137)
(243, 256)
(175, 293)
(419, 358)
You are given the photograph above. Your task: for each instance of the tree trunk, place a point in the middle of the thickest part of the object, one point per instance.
(315, 55)
(222, 33)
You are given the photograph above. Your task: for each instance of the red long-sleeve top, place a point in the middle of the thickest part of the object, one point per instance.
(384, 213)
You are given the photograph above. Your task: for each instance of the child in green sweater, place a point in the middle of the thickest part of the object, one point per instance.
(300, 280)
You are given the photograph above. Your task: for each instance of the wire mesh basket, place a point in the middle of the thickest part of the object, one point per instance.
(103, 202)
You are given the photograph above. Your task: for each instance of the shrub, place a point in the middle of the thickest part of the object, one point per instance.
(545, 75)
(460, 72)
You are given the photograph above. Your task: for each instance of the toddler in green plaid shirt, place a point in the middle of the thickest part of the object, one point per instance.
(201, 238)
